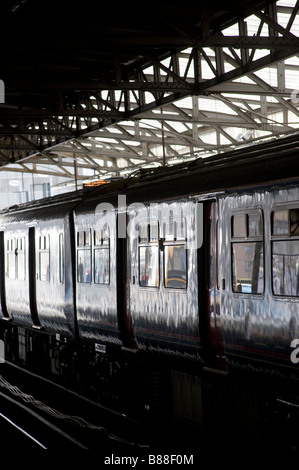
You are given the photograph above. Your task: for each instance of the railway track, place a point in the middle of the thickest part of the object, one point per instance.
(21, 428)
(37, 414)
(11, 431)
(46, 415)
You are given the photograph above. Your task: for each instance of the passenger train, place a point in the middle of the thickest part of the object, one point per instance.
(174, 292)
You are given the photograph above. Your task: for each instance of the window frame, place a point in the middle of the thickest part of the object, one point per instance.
(16, 246)
(282, 237)
(175, 235)
(84, 245)
(175, 244)
(44, 248)
(101, 243)
(11, 255)
(61, 257)
(147, 240)
(247, 238)
(21, 250)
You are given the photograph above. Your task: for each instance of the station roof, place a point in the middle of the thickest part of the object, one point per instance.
(102, 88)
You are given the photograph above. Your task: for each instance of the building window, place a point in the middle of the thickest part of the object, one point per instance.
(247, 252)
(285, 252)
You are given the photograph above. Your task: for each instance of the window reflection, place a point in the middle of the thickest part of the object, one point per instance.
(44, 258)
(44, 266)
(149, 266)
(16, 266)
(247, 260)
(84, 266)
(61, 258)
(285, 267)
(11, 265)
(175, 274)
(101, 266)
(285, 252)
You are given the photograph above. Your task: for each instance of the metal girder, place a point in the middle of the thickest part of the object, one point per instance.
(103, 122)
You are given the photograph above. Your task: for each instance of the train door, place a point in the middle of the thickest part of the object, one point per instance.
(124, 316)
(2, 277)
(212, 286)
(32, 277)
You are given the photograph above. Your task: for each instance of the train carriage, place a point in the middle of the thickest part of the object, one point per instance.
(96, 274)
(15, 297)
(37, 276)
(165, 289)
(162, 285)
(259, 307)
(53, 302)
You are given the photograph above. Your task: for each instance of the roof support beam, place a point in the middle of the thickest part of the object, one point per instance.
(209, 67)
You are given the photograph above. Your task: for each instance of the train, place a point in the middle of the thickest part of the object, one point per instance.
(173, 293)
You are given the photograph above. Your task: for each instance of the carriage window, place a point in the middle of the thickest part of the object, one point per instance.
(20, 261)
(84, 266)
(247, 253)
(239, 226)
(247, 261)
(285, 252)
(294, 222)
(285, 222)
(16, 258)
(149, 266)
(175, 272)
(149, 254)
(11, 258)
(280, 223)
(80, 238)
(285, 267)
(83, 257)
(101, 266)
(255, 224)
(61, 258)
(102, 256)
(44, 258)
(175, 254)
(144, 233)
